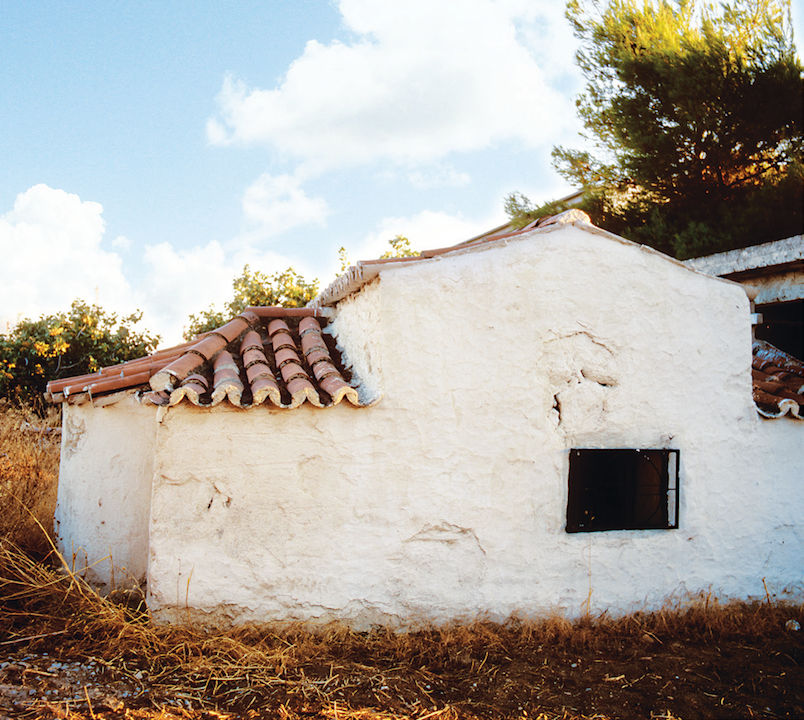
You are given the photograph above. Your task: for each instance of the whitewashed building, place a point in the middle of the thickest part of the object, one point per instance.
(554, 420)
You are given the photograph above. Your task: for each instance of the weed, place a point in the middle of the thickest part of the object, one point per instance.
(29, 462)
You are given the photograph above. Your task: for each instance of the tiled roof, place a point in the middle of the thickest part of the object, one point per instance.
(778, 382)
(264, 355)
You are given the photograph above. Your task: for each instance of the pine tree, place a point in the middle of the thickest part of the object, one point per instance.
(695, 117)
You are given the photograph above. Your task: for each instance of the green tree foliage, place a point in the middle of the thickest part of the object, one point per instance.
(288, 288)
(73, 343)
(695, 117)
(255, 288)
(400, 247)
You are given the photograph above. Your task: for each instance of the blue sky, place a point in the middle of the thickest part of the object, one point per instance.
(148, 152)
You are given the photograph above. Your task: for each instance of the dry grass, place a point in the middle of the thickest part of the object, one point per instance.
(293, 671)
(29, 468)
(332, 673)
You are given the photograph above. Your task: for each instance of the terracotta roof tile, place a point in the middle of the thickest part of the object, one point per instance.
(778, 380)
(236, 326)
(177, 370)
(264, 355)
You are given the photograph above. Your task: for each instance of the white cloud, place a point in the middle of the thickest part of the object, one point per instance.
(444, 176)
(423, 78)
(277, 203)
(121, 242)
(426, 231)
(181, 282)
(51, 245)
(545, 32)
(188, 281)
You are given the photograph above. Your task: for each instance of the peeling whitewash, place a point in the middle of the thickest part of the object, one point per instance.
(104, 495)
(447, 499)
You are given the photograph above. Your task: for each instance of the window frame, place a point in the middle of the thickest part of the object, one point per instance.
(611, 489)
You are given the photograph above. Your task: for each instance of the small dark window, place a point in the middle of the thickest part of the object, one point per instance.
(783, 326)
(622, 490)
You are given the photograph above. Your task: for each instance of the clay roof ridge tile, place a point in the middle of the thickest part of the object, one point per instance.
(277, 325)
(55, 386)
(311, 341)
(197, 378)
(252, 340)
(250, 316)
(210, 346)
(257, 371)
(252, 358)
(283, 340)
(302, 389)
(155, 397)
(102, 385)
(167, 378)
(226, 365)
(236, 327)
(337, 388)
(233, 390)
(185, 391)
(265, 387)
(285, 355)
(290, 371)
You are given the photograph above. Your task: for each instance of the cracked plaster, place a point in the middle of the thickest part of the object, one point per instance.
(448, 498)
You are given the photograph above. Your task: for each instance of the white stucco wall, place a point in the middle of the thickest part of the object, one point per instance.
(448, 498)
(357, 328)
(104, 493)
